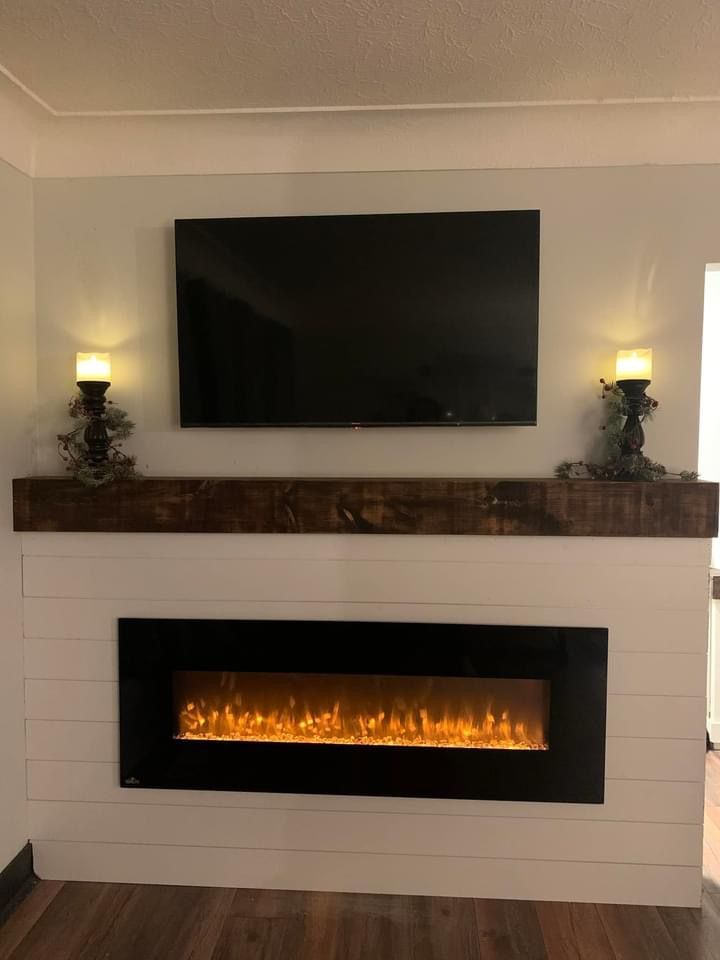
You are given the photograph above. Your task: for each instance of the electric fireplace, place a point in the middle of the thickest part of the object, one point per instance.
(364, 708)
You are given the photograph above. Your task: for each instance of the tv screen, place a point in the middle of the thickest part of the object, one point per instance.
(377, 320)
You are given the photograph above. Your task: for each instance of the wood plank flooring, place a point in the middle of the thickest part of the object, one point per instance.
(103, 921)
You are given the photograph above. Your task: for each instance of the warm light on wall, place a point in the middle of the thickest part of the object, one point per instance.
(93, 366)
(634, 365)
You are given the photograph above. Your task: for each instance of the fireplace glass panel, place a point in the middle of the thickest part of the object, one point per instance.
(368, 710)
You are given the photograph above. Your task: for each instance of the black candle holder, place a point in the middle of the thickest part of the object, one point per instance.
(96, 435)
(633, 435)
(627, 406)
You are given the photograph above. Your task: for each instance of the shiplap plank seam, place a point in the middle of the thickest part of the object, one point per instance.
(381, 833)
(625, 800)
(626, 552)
(430, 876)
(644, 674)
(530, 586)
(626, 757)
(630, 631)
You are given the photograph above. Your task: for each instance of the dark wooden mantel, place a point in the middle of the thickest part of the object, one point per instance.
(543, 507)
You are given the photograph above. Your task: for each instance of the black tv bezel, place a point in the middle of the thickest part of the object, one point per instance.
(193, 424)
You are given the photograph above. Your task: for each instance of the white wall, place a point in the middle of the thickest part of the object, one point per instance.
(17, 401)
(709, 463)
(623, 256)
(709, 458)
(623, 259)
(643, 845)
(622, 263)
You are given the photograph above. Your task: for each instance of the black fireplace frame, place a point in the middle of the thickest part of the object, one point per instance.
(573, 659)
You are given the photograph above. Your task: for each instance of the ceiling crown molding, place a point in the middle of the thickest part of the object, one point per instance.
(451, 139)
(347, 108)
(20, 122)
(23, 88)
(420, 137)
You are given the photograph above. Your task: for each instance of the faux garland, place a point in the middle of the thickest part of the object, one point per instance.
(616, 465)
(73, 449)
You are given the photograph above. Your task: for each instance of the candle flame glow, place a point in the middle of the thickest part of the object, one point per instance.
(93, 366)
(634, 364)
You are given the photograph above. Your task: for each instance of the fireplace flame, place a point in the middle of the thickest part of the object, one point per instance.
(404, 724)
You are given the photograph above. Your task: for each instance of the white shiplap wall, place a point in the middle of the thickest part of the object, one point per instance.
(642, 846)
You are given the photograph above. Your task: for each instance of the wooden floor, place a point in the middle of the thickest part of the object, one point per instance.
(102, 921)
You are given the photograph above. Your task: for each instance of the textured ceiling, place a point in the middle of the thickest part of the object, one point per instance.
(142, 55)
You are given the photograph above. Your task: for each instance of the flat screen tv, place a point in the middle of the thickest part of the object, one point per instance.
(420, 319)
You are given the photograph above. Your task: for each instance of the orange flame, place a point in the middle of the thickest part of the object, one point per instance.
(402, 725)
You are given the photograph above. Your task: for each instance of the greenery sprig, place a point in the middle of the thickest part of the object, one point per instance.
(615, 465)
(73, 449)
